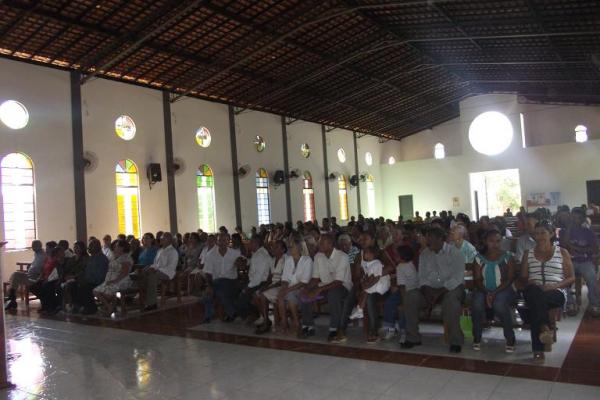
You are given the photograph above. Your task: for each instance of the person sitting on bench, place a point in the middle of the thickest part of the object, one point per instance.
(441, 276)
(548, 273)
(331, 278)
(26, 278)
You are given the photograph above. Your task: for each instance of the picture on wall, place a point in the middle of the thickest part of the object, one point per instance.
(549, 200)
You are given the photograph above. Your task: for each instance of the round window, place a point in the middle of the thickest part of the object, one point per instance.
(203, 137)
(14, 114)
(491, 133)
(369, 158)
(305, 149)
(391, 160)
(125, 127)
(341, 154)
(260, 144)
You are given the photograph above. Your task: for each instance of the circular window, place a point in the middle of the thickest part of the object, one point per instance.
(341, 155)
(260, 144)
(369, 158)
(305, 149)
(491, 133)
(439, 151)
(125, 127)
(14, 114)
(391, 160)
(203, 137)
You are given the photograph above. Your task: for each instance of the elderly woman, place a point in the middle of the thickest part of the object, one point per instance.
(117, 277)
(548, 273)
(297, 271)
(269, 294)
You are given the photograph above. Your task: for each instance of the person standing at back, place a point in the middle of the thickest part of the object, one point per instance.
(582, 244)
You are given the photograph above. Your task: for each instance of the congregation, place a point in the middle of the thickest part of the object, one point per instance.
(278, 276)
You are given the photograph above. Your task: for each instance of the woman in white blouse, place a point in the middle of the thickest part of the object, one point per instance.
(297, 271)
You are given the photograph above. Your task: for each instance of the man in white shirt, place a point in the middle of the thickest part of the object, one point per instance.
(163, 269)
(258, 276)
(441, 278)
(332, 279)
(221, 275)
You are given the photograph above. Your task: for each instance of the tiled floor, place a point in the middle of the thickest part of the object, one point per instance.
(433, 344)
(61, 360)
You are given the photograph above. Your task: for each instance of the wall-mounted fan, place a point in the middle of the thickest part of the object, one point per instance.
(90, 161)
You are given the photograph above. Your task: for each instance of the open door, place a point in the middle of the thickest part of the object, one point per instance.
(593, 191)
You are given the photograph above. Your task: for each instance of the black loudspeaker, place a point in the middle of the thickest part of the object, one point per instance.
(154, 173)
(354, 180)
(279, 177)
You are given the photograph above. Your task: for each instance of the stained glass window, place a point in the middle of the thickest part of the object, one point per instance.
(205, 183)
(18, 193)
(305, 150)
(125, 127)
(263, 201)
(341, 154)
(309, 197)
(260, 144)
(128, 197)
(203, 137)
(343, 196)
(371, 196)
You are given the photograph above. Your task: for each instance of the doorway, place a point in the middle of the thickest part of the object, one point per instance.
(593, 191)
(405, 205)
(492, 192)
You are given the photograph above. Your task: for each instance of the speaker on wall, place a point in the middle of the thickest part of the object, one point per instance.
(279, 177)
(154, 173)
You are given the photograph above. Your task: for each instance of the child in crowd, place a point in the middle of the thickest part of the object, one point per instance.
(373, 286)
(407, 279)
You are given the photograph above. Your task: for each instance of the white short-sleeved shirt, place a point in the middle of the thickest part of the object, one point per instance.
(296, 273)
(375, 268)
(333, 268)
(406, 275)
(261, 263)
(277, 269)
(221, 266)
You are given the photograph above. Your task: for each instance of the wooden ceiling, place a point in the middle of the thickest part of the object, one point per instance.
(385, 68)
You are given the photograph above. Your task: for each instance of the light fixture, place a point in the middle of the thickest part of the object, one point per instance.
(581, 134)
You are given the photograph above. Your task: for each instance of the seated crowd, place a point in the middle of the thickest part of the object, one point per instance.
(402, 268)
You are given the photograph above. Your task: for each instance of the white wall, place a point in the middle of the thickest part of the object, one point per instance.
(187, 115)
(247, 125)
(102, 102)
(545, 167)
(47, 140)
(298, 133)
(370, 144)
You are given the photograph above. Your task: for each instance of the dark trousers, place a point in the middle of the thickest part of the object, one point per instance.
(243, 304)
(539, 302)
(50, 295)
(225, 293)
(84, 297)
(335, 301)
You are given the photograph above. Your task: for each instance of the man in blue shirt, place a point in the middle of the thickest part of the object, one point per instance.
(27, 278)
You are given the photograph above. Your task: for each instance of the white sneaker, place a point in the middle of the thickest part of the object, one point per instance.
(402, 337)
(357, 313)
(259, 321)
(387, 333)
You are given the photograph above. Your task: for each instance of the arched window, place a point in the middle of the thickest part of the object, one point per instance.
(205, 183)
(18, 193)
(371, 196)
(128, 197)
(343, 195)
(263, 202)
(309, 197)
(439, 151)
